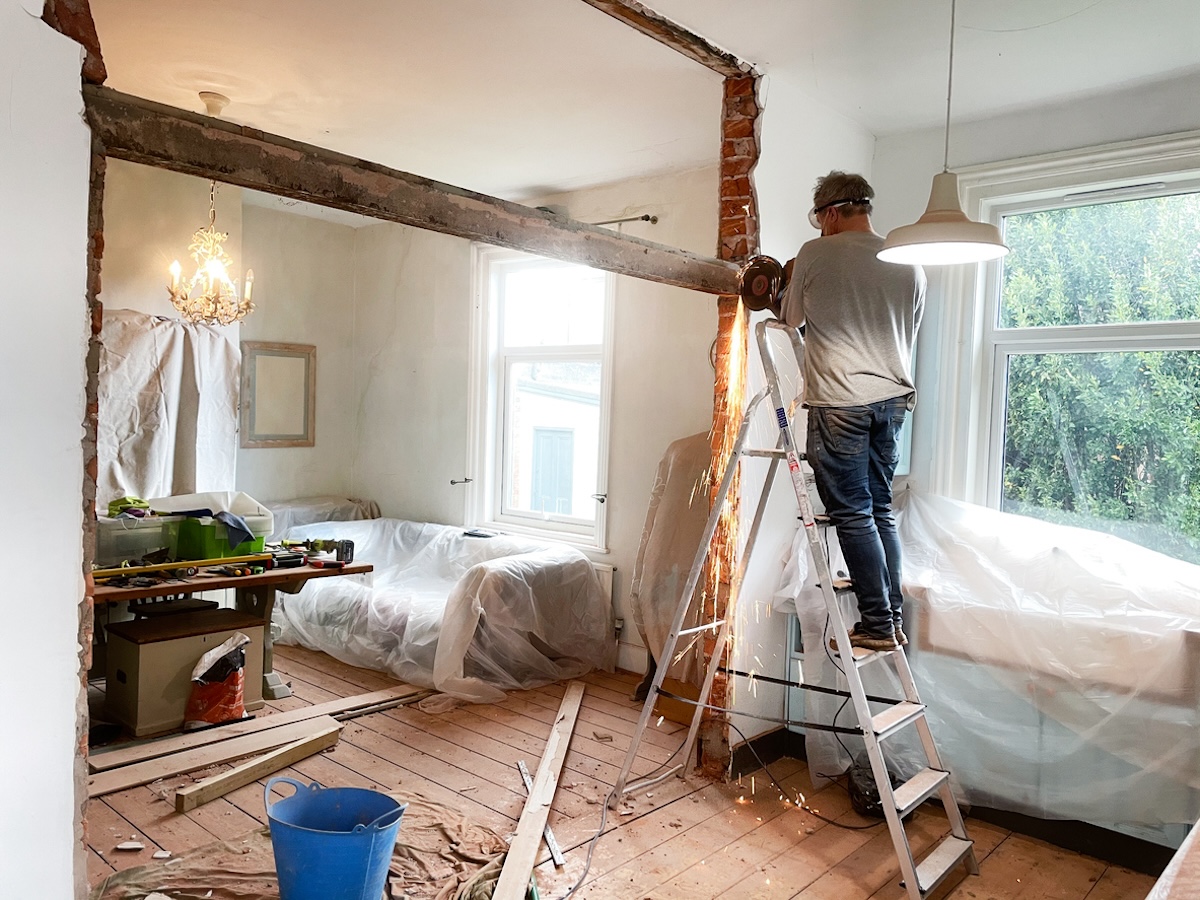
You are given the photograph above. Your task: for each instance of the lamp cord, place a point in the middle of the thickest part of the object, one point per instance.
(949, 89)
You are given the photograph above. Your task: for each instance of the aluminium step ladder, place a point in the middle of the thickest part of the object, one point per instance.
(875, 727)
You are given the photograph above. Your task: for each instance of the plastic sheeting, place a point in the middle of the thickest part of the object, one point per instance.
(469, 616)
(258, 518)
(1059, 666)
(674, 528)
(311, 510)
(168, 397)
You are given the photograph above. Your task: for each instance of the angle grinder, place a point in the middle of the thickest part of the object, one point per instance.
(760, 283)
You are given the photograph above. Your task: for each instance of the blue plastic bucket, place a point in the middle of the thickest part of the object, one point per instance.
(332, 843)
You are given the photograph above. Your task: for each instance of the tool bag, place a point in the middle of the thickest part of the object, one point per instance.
(218, 686)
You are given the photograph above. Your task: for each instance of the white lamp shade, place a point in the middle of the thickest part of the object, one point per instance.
(943, 235)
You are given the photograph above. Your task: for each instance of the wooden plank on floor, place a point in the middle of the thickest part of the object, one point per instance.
(189, 760)
(211, 788)
(135, 753)
(1118, 883)
(522, 851)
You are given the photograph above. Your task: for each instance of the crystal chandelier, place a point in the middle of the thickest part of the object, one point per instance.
(210, 296)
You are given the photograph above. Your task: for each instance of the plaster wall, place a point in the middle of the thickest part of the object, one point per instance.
(904, 166)
(411, 343)
(44, 159)
(304, 294)
(662, 378)
(801, 140)
(150, 215)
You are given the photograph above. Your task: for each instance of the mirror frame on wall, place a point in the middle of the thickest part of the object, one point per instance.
(252, 435)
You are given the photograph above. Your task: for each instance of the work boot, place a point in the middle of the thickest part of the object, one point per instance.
(900, 638)
(860, 638)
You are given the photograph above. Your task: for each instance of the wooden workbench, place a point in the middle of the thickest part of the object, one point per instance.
(253, 594)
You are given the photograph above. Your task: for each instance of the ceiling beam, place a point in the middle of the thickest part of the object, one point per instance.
(663, 30)
(142, 131)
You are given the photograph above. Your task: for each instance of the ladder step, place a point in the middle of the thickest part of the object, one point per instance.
(918, 789)
(711, 626)
(863, 656)
(892, 720)
(769, 454)
(934, 868)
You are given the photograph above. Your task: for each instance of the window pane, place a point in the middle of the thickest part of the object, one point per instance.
(553, 438)
(1107, 441)
(1111, 263)
(553, 305)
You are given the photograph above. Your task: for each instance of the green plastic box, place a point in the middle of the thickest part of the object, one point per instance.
(209, 541)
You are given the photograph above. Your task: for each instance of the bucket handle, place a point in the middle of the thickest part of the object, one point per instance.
(299, 786)
(387, 820)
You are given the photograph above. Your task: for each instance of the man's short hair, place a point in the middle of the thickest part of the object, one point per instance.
(840, 186)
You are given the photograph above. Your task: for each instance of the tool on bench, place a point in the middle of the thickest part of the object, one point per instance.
(342, 550)
(188, 566)
(238, 571)
(327, 563)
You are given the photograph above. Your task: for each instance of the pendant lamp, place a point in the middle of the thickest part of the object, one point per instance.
(944, 235)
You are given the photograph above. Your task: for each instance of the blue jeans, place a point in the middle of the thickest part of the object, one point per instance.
(853, 453)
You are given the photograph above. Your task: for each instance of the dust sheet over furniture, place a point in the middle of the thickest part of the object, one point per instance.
(469, 616)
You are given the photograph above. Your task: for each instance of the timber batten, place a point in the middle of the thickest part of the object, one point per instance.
(673, 35)
(142, 131)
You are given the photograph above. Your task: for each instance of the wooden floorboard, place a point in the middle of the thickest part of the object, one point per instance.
(685, 839)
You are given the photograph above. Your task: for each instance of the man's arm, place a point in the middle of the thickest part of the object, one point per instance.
(791, 302)
(777, 303)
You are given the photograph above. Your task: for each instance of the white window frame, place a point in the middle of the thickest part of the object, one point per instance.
(969, 432)
(486, 433)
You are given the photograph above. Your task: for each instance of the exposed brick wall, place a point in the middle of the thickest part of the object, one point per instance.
(74, 19)
(738, 241)
(95, 226)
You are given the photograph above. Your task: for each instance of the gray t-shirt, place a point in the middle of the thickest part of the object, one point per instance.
(861, 317)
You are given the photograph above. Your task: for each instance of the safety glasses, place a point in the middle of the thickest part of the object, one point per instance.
(812, 213)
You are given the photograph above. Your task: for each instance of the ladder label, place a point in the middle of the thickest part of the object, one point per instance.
(781, 417)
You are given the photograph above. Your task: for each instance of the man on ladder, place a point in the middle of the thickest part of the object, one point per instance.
(860, 318)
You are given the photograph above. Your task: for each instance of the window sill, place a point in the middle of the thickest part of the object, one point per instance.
(586, 543)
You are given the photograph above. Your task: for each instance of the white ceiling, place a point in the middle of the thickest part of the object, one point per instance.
(525, 97)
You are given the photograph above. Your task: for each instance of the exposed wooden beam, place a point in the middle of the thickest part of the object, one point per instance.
(142, 131)
(663, 30)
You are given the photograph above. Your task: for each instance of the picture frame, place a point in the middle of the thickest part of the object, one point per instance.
(278, 395)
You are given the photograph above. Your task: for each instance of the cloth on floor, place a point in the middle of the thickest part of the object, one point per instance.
(438, 851)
